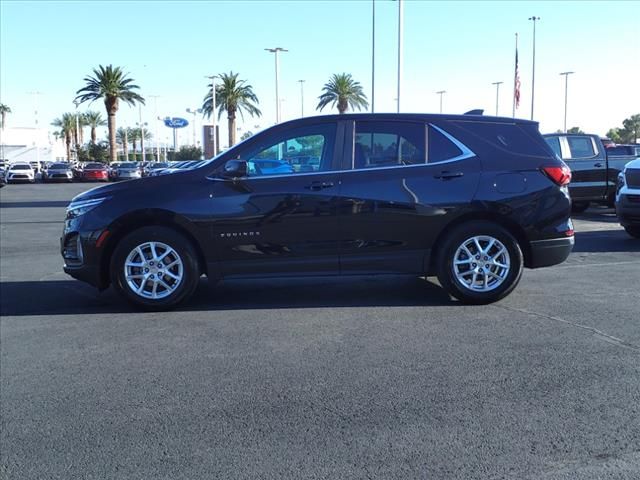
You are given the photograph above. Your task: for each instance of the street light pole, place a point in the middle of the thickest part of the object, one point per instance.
(441, 93)
(400, 19)
(141, 132)
(533, 70)
(373, 55)
(194, 112)
(566, 88)
(155, 111)
(275, 52)
(214, 139)
(497, 84)
(301, 97)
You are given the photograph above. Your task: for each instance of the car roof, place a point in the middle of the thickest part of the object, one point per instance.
(404, 116)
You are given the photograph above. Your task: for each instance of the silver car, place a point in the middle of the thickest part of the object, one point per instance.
(128, 171)
(58, 172)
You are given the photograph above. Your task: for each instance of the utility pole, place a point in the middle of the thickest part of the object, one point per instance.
(441, 93)
(497, 84)
(400, 25)
(373, 55)
(275, 52)
(533, 70)
(566, 88)
(155, 114)
(214, 137)
(301, 97)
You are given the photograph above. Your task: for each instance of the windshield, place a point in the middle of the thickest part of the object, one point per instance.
(59, 166)
(160, 165)
(93, 166)
(21, 167)
(128, 165)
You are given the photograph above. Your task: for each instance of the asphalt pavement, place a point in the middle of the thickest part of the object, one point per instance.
(317, 378)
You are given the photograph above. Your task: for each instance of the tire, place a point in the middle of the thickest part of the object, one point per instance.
(633, 230)
(579, 207)
(462, 280)
(181, 274)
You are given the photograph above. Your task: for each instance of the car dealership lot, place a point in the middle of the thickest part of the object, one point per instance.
(362, 377)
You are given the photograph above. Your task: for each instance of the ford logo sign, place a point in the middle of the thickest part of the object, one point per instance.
(176, 122)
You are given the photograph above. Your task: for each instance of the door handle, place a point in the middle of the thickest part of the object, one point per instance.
(319, 185)
(597, 164)
(447, 175)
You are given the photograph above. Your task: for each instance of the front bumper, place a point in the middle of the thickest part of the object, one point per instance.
(628, 209)
(82, 257)
(545, 253)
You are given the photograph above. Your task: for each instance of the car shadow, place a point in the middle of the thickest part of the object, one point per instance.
(69, 297)
(597, 214)
(614, 241)
(35, 204)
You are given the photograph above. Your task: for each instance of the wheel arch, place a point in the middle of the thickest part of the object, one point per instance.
(146, 218)
(512, 227)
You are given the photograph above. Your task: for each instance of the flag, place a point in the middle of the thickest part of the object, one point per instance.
(516, 81)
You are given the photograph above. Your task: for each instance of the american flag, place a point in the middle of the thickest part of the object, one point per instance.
(516, 80)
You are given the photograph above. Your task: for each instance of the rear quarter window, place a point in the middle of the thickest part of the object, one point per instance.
(524, 139)
(581, 147)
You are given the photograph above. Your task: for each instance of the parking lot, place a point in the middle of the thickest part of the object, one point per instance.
(361, 377)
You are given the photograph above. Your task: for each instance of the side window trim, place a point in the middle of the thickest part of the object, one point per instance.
(466, 151)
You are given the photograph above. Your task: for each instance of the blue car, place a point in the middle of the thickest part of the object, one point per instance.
(270, 167)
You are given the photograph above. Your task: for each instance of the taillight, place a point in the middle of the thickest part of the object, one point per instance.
(559, 175)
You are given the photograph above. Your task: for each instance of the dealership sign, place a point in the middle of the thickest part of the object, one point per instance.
(175, 122)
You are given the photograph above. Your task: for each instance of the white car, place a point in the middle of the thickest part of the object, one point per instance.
(628, 198)
(20, 172)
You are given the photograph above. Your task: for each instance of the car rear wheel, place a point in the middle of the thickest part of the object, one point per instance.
(479, 262)
(633, 230)
(155, 268)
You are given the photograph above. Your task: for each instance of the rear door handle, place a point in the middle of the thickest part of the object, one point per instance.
(319, 185)
(597, 164)
(446, 175)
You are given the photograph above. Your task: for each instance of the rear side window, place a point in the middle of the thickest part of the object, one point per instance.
(581, 147)
(440, 147)
(385, 144)
(524, 139)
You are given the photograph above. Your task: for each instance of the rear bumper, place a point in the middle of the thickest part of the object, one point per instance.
(545, 253)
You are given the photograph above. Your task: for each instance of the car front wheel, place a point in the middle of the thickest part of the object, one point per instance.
(479, 262)
(155, 268)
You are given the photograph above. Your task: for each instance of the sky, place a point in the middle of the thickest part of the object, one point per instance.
(169, 47)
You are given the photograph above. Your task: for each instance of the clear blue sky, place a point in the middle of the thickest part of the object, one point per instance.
(461, 47)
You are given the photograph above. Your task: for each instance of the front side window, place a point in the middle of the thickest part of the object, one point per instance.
(304, 150)
(387, 144)
(581, 147)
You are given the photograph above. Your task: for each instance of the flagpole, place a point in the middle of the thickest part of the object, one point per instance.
(515, 79)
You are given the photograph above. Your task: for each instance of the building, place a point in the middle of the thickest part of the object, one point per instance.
(27, 144)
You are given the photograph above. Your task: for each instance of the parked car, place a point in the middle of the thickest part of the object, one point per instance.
(156, 166)
(262, 166)
(468, 198)
(20, 172)
(594, 170)
(3, 181)
(624, 150)
(128, 171)
(628, 198)
(58, 172)
(36, 165)
(95, 172)
(178, 167)
(113, 167)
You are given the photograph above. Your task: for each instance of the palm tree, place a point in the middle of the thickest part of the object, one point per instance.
(111, 84)
(67, 125)
(135, 134)
(344, 91)
(4, 109)
(234, 96)
(94, 120)
(122, 137)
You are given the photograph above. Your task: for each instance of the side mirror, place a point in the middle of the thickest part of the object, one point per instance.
(235, 169)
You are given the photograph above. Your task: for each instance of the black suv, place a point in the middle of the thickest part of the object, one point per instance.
(468, 198)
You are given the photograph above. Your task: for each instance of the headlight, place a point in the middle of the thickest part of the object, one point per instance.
(620, 182)
(75, 209)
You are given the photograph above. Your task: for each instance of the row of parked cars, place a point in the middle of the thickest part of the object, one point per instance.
(28, 172)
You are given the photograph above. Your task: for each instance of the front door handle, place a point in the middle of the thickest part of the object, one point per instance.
(447, 175)
(319, 185)
(597, 165)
